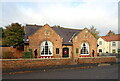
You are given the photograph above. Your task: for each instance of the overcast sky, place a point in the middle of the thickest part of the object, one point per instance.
(103, 14)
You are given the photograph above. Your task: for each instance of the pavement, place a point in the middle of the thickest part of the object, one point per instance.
(101, 72)
(82, 71)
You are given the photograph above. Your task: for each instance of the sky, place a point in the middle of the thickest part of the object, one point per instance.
(77, 14)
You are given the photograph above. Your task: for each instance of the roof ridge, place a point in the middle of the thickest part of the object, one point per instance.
(33, 25)
(111, 35)
(111, 38)
(67, 28)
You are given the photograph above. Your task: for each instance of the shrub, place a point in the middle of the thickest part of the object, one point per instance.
(27, 54)
(30, 50)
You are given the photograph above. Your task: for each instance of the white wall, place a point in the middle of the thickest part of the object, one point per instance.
(115, 47)
(107, 46)
(104, 46)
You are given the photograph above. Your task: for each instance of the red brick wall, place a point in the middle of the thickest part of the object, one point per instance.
(17, 53)
(32, 63)
(96, 60)
(38, 37)
(12, 64)
(80, 38)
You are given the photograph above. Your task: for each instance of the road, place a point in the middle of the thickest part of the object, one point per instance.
(101, 72)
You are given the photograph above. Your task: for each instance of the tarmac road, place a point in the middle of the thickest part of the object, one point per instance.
(101, 72)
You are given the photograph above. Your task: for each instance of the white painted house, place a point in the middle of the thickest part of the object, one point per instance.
(109, 44)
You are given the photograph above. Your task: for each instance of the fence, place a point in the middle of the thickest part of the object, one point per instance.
(16, 53)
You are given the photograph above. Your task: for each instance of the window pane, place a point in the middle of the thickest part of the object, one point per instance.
(113, 43)
(100, 50)
(118, 50)
(57, 50)
(113, 51)
(76, 50)
(84, 49)
(100, 42)
(46, 48)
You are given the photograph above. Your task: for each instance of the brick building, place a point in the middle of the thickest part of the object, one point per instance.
(59, 42)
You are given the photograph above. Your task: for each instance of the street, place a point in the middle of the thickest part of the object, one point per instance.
(101, 72)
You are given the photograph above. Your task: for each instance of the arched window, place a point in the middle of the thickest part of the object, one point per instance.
(84, 48)
(46, 48)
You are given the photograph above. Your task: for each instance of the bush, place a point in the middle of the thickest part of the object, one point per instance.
(27, 54)
(30, 50)
(7, 55)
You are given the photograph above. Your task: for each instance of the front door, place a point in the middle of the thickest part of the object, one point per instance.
(65, 52)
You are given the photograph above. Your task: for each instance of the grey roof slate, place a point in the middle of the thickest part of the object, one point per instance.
(66, 33)
(29, 30)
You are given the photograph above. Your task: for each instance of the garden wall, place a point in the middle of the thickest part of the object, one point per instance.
(18, 64)
(104, 59)
(13, 64)
(15, 52)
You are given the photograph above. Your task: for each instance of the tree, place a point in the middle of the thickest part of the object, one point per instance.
(14, 34)
(1, 33)
(110, 33)
(94, 32)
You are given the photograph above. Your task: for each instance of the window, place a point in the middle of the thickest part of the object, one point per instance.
(57, 50)
(47, 32)
(84, 48)
(113, 51)
(118, 50)
(100, 42)
(100, 50)
(46, 48)
(76, 50)
(113, 43)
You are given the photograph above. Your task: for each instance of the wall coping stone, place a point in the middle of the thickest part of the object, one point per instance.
(53, 58)
(99, 57)
(33, 59)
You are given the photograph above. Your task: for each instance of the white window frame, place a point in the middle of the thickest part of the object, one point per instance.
(50, 46)
(100, 42)
(101, 50)
(113, 43)
(114, 50)
(87, 47)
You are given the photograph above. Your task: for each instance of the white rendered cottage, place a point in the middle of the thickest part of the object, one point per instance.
(109, 44)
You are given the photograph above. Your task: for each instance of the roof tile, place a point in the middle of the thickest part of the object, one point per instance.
(65, 33)
(111, 38)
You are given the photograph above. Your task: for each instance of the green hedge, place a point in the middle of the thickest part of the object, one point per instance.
(27, 54)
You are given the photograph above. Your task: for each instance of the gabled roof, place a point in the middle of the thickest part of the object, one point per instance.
(66, 33)
(29, 30)
(111, 38)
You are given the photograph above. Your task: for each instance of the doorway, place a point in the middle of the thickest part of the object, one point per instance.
(65, 52)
